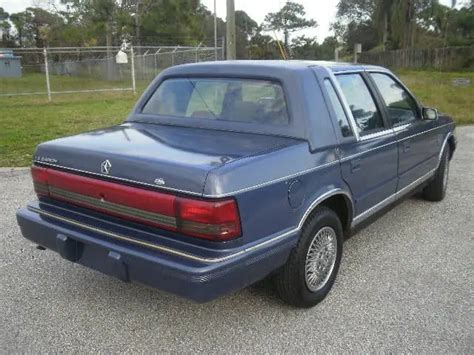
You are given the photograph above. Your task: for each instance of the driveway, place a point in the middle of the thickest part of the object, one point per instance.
(405, 285)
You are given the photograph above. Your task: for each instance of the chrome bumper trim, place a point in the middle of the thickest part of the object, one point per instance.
(161, 248)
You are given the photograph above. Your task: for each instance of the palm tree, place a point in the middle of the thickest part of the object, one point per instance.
(382, 17)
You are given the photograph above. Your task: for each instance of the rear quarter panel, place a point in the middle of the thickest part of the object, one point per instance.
(274, 191)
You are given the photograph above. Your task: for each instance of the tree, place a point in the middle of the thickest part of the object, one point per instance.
(173, 22)
(304, 47)
(4, 27)
(395, 23)
(356, 10)
(262, 46)
(45, 26)
(246, 28)
(290, 18)
(98, 14)
(308, 48)
(327, 48)
(22, 21)
(382, 17)
(356, 23)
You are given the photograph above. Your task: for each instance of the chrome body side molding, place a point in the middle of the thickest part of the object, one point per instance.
(320, 199)
(392, 198)
(376, 134)
(190, 256)
(367, 213)
(397, 141)
(401, 127)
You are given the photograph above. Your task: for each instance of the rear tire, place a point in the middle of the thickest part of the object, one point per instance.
(436, 190)
(311, 269)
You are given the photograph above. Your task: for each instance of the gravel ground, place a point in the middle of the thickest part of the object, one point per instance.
(405, 285)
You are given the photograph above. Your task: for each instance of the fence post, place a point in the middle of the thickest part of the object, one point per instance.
(223, 47)
(46, 72)
(172, 55)
(155, 60)
(132, 60)
(197, 51)
(357, 50)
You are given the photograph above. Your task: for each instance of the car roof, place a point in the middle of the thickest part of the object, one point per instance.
(285, 64)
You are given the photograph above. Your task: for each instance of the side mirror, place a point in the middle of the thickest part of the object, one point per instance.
(429, 113)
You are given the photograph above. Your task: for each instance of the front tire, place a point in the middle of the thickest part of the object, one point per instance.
(311, 269)
(436, 190)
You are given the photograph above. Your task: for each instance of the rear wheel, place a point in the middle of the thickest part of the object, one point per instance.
(436, 190)
(311, 269)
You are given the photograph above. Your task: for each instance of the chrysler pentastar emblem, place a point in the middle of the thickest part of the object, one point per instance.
(105, 166)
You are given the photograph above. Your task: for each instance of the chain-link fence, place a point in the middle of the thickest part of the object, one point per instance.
(68, 70)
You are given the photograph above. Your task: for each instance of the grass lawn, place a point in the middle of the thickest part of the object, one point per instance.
(26, 121)
(435, 89)
(36, 82)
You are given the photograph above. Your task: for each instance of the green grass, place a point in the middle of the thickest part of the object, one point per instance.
(435, 89)
(28, 120)
(36, 82)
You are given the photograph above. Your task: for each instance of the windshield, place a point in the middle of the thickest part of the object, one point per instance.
(242, 100)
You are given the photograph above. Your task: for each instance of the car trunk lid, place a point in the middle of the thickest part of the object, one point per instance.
(167, 157)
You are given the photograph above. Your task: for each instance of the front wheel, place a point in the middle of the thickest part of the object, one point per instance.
(311, 269)
(436, 190)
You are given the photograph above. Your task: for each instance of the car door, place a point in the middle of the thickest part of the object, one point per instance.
(368, 163)
(418, 143)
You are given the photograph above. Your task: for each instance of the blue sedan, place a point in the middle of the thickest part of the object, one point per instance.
(226, 173)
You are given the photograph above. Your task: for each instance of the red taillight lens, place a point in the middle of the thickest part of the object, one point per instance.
(208, 219)
(214, 220)
(40, 180)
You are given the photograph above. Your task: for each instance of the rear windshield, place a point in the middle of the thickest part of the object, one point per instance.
(254, 101)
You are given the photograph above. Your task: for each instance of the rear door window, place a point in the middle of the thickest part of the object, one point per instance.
(338, 110)
(364, 110)
(241, 100)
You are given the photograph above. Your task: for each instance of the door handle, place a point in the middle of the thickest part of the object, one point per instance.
(355, 165)
(406, 147)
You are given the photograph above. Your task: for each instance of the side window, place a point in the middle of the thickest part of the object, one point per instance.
(338, 109)
(361, 102)
(401, 107)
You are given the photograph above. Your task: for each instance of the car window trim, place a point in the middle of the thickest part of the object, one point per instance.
(399, 82)
(338, 96)
(343, 100)
(380, 102)
(387, 128)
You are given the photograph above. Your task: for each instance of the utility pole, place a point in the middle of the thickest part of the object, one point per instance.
(215, 31)
(137, 25)
(230, 29)
(108, 43)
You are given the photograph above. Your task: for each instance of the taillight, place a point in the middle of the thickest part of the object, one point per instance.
(217, 220)
(40, 180)
(214, 220)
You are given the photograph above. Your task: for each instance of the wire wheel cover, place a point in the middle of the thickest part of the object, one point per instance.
(320, 259)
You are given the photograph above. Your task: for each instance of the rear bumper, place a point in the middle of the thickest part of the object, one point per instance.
(199, 279)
